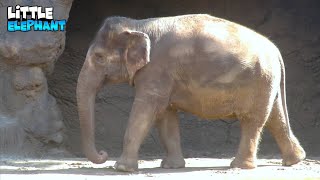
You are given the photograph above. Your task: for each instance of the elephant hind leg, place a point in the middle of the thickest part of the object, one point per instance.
(279, 127)
(252, 123)
(251, 129)
(168, 128)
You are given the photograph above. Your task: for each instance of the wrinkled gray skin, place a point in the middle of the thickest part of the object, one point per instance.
(208, 66)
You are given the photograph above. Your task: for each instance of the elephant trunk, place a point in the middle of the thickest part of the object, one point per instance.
(89, 82)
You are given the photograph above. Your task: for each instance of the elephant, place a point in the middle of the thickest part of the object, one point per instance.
(197, 63)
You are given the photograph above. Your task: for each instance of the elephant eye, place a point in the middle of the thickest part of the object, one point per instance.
(98, 56)
(99, 59)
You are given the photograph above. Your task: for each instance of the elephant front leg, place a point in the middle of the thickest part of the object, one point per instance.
(168, 128)
(140, 121)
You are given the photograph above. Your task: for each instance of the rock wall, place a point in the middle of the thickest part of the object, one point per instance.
(30, 120)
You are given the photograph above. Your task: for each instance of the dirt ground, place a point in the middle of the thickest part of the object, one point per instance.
(149, 168)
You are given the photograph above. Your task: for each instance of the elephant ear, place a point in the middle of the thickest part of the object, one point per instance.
(137, 53)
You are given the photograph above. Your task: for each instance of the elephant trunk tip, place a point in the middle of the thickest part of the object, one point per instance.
(102, 157)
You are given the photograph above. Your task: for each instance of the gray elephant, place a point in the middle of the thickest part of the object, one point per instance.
(201, 64)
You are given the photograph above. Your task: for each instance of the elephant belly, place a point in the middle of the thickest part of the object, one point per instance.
(211, 92)
(215, 104)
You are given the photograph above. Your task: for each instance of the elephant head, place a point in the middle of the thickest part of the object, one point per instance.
(116, 55)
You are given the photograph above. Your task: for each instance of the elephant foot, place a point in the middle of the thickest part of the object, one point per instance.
(126, 166)
(173, 163)
(294, 158)
(243, 164)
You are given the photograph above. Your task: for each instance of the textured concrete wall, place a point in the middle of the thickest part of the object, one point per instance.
(30, 119)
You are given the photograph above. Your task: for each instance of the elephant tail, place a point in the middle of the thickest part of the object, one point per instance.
(283, 91)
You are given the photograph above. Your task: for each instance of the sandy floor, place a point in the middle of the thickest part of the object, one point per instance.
(195, 168)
